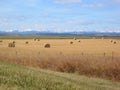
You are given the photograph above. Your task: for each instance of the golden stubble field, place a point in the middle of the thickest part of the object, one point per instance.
(91, 57)
(58, 46)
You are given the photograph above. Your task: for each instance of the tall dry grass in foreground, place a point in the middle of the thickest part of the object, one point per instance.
(97, 66)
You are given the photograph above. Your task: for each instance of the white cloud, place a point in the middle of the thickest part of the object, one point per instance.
(75, 23)
(6, 9)
(31, 3)
(115, 0)
(98, 5)
(13, 18)
(67, 1)
(11, 4)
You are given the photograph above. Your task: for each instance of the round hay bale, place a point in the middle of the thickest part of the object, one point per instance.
(35, 39)
(115, 42)
(111, 41)
(14, 42)
(71, 42)
(1, 41)
(79, 41)
(26, 42)
(11, 44)
(75, 38)
(38, 39)
(47, 45)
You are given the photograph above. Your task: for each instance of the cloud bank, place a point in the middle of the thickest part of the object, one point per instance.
(115, 1)
(67, 1)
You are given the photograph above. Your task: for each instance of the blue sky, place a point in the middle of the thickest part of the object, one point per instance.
(60, 15)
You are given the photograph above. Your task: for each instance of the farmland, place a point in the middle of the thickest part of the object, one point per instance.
(87, 46)
(90, 57)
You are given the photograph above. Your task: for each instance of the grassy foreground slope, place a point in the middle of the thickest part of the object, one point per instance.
(15, 77)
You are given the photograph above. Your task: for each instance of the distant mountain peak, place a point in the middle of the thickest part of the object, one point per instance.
(82, 33)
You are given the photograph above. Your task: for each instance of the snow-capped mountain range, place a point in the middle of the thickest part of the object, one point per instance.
(80, 33)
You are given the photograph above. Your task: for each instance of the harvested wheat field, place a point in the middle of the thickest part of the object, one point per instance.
(91, 57)
(86, 46)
